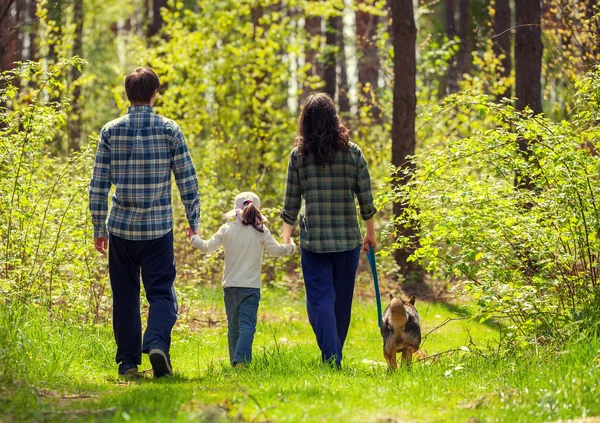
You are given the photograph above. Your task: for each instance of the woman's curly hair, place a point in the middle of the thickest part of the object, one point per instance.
(320, 132)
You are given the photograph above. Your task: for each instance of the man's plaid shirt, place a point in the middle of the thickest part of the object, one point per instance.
(137, 153)
(329, 223)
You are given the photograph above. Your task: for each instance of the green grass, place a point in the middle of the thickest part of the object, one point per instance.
(64, 371)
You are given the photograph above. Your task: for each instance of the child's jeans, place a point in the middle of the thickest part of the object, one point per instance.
(241, 305)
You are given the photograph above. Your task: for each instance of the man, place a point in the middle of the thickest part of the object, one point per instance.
(137, 153)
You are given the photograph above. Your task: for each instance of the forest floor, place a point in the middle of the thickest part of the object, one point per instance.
(64, 371)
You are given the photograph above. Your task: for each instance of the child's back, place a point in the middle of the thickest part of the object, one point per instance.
(244, 247)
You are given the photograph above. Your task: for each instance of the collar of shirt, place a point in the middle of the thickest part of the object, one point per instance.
(140, 108)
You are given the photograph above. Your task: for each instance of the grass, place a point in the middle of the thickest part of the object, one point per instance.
(64, 371)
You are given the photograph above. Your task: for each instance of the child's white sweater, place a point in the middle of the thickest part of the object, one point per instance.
(243, 247)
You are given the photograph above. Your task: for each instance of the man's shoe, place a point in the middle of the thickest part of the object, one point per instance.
(128, 370)
(160, 363)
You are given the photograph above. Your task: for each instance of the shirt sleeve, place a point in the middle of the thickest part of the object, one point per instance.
(363, 188)
(274, 248)
(292, 198)
(100, 186)
(186, 179)
(213, 244)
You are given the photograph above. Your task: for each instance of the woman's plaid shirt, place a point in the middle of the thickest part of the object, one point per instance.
(137, 153)
(329, 223)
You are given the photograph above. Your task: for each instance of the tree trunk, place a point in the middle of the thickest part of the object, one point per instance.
(75, 115)
(329, 76)
(9, 34)
(451, 83)
(464, 55)
(343, 99)
(368, 61)
(155, 18)
(404, 35)
(502, 40)
(55, 35)
(312, 27)
(528, 66)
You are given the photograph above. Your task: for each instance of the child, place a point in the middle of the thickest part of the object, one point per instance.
(243, 240)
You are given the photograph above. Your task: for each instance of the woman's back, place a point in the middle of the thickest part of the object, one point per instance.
(329, 223)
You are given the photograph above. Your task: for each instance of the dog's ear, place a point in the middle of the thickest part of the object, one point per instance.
(391, 296)
(412, 300)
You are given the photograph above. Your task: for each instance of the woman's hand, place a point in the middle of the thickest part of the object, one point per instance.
(189, 232)
(370, 239)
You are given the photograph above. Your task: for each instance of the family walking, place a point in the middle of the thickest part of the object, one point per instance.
(137, 154)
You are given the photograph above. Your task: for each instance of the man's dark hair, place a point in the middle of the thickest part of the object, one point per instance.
(141, 84)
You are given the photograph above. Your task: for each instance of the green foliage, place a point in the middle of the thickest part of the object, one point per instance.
(44, 224)
(529, 257)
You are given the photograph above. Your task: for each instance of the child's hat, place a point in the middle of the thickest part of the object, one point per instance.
(241, 201)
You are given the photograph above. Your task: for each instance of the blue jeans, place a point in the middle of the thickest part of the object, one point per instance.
(329, 282)
(155, 262)
(241, 306)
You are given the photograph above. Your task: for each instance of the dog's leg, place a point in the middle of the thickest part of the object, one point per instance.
(389, 352)
(407, 356)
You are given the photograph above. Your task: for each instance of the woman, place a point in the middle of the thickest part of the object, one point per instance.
(328, 171)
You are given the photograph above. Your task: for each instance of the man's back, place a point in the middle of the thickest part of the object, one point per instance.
(136, 153)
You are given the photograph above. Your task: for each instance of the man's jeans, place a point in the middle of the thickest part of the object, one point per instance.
(241, 305)
(155, 260)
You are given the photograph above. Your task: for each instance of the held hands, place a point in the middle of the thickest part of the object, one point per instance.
(101, 244)
(189, 232)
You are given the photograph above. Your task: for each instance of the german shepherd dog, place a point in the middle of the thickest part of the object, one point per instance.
(401, 331)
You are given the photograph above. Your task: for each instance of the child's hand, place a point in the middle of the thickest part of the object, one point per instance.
(288, 241)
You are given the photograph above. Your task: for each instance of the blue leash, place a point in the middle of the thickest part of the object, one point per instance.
(371, 258)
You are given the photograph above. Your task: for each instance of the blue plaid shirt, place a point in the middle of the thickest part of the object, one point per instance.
(137, 153)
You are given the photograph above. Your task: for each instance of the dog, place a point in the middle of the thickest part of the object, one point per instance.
(401, 331)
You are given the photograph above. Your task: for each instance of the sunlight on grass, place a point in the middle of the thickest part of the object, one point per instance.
(60, 371)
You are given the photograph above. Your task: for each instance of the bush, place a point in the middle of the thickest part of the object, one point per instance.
(528, 256)
(45, 230)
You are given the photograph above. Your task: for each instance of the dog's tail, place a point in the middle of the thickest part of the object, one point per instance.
(398, 311)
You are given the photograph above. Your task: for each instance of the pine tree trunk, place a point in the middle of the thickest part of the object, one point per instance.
(502, 40)
(464, 55)
(55, 37)
(312, 27)
(155, 18)
(368, 61)
(9, 34)
(450, 85)
(343, 99)
(329, 76)
(75, 115)
(404, 35)
(528, 66)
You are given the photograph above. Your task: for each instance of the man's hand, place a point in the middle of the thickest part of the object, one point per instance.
(101, 244)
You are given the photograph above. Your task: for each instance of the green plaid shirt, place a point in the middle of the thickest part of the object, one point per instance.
(329, 222)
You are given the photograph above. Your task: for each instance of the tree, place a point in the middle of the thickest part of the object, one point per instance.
(528, 66)
(55, 33)
(75, 115)
(155, 18)
(343, 99)
(464, 54)
(502, 40)
(404, 36)
(312, 27)
(368, 59)
(9, 36)
(329, 73)
(452, 77)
